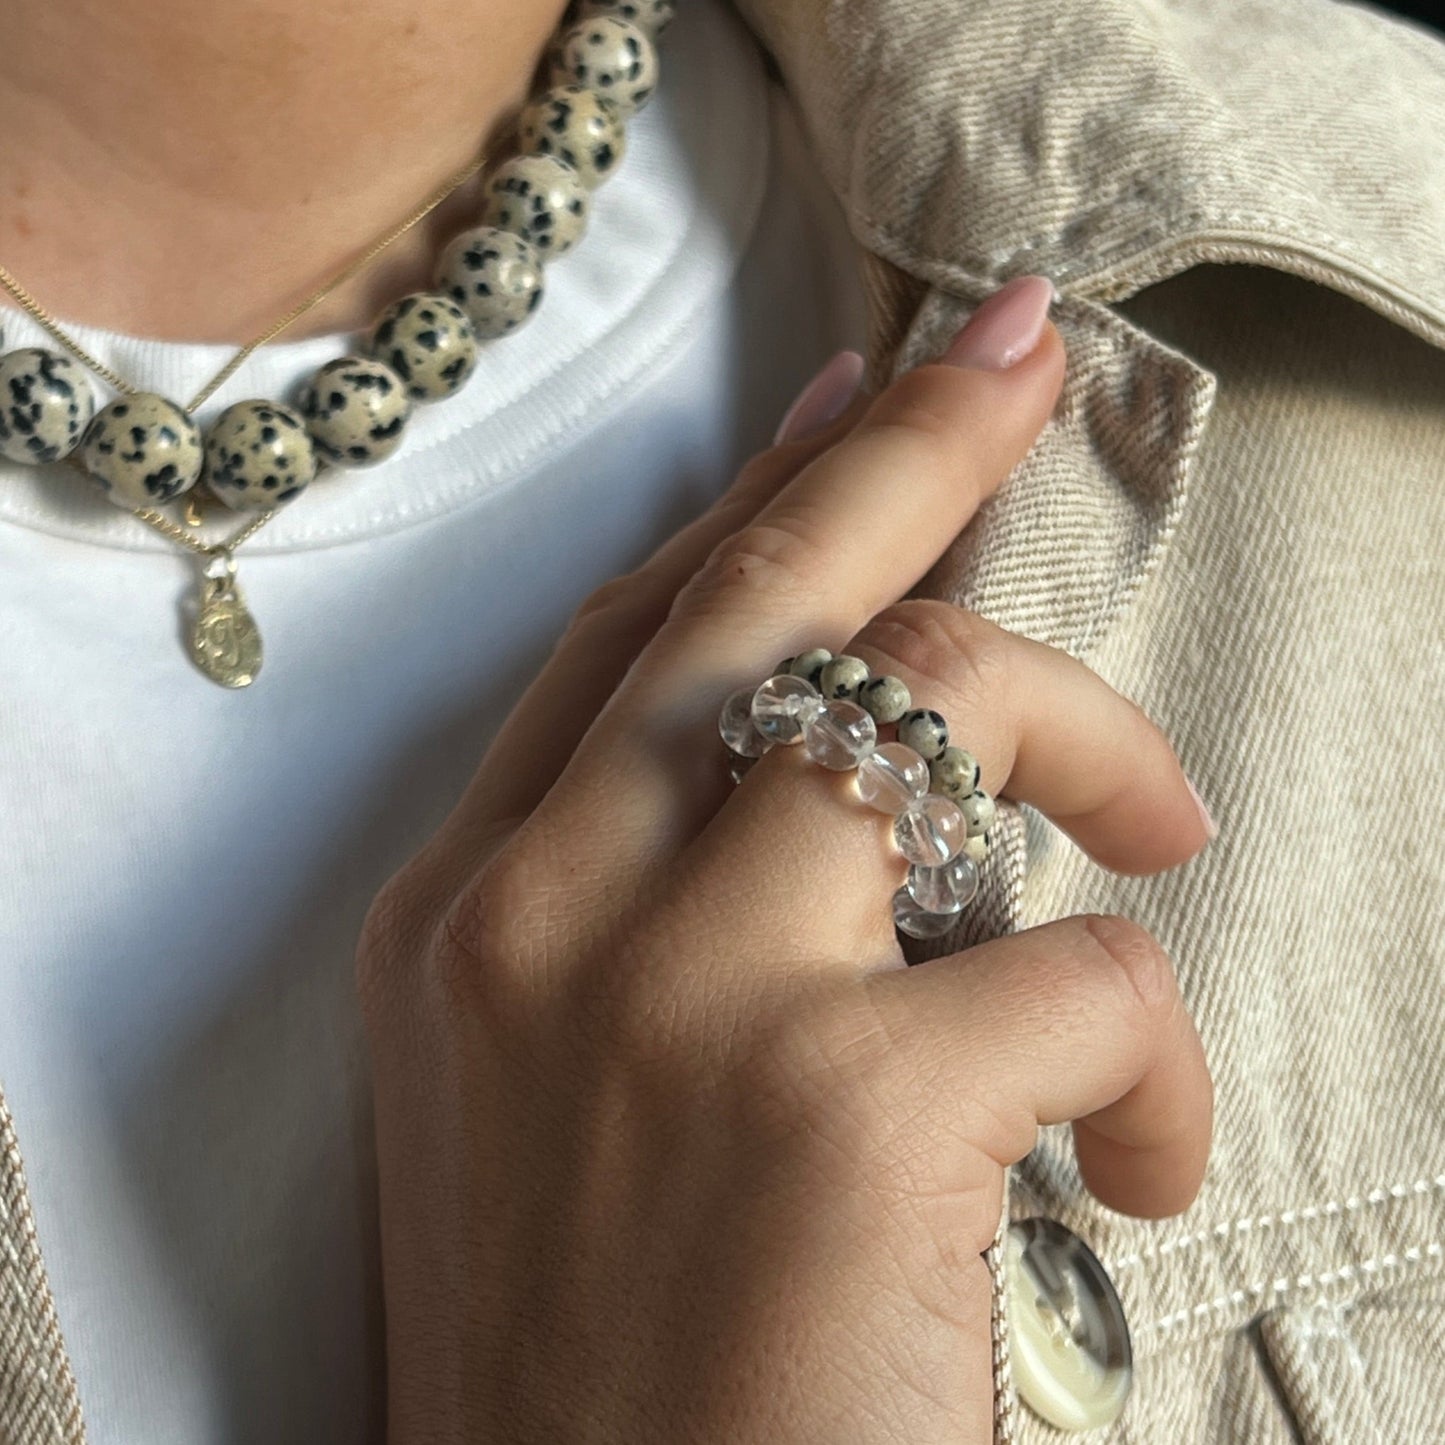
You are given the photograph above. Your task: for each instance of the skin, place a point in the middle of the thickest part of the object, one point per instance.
(218, 162)
(673, 1148)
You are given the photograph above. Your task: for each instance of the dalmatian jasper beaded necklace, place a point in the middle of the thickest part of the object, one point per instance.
(143, 451)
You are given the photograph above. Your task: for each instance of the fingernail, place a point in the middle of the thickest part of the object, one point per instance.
(824, 399)
(1210, 826)
(1005, 328)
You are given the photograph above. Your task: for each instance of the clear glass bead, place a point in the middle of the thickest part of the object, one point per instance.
(840, 736)
(735, 724)
(782, 705)
(891, 777)
(918, 922)
(739, 767)
(930, 830)
(949, 888)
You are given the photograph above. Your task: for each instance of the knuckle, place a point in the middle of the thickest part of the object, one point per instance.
(453, 936)
(923, 403)
(387, 940)
(965, 655)
(396, 932)
(485, 949)
(387, 924)
(1138, 960)
(614, 595)
(759, 474)
(499, 915)
(775, 560)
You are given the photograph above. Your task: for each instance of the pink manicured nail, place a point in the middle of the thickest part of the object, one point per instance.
(1005, 328)
(1210, 826)
(824, 399)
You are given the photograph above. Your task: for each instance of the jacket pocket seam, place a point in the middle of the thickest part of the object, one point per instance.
(1284, 1218)
(1268, 1294)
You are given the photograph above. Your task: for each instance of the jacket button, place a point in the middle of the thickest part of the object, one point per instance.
(1072, 1360)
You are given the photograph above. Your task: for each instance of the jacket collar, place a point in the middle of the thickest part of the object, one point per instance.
(1112, 143)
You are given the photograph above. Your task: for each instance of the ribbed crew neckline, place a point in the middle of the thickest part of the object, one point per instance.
(665, 236)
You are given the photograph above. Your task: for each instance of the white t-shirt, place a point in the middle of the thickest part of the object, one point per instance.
(185, 868)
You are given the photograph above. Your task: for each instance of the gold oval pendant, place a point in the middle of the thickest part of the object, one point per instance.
(225, 641)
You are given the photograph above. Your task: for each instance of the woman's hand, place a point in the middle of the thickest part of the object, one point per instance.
(672, 1146)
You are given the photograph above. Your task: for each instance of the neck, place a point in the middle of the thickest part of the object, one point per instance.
(189, 172)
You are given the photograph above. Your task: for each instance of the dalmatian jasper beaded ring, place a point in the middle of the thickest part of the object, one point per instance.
(833, 708)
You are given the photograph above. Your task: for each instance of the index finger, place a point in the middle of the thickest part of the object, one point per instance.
(853, 531)
(859, 526)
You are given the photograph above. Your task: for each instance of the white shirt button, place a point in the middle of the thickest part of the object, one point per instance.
(1072, 1360)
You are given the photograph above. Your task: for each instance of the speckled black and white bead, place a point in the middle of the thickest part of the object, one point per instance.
(429, 341)
(540, 199)
(142, 450)
(494, 276)
(356, 409)
(809, 665)
(45, 405)
(611, 56)
(577, 126)
(258, 454)
(885, 698)
(840, 680)
(978, 811)
(954, 773)
(923, 730)
(975, 849)
(653, 16)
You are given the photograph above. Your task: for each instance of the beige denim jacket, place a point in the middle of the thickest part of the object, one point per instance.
(1237, 516)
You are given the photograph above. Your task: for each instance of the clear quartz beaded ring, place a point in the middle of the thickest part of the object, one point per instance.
(834, 708)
